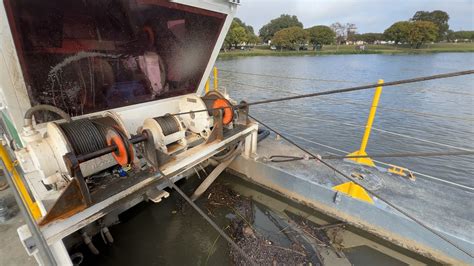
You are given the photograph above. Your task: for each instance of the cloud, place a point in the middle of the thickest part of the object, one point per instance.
(368, 15)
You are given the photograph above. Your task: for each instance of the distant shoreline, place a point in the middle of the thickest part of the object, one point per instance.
(351, 49)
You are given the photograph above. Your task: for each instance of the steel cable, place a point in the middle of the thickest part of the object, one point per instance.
(412, 112)
(376, 129)
(368, 191)
(168, 124)
(289, 158)
(317, 79)
(286, 77)
(84, 136)
(384, 163)
(205, 216)
(337, 91)
(365, 87)
(211, 222)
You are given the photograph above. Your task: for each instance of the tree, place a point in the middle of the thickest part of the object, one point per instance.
(350, 31)
(293, 37)
(438, 17)
(369, 37)
(251, 37)
(422, 32)
(320, 35)
(240, 33)
(340, 31)
(343, 31)
(284, 21)
(398, 32)
(236, 35)
(460, 36)
(248, 28)
(415, 33)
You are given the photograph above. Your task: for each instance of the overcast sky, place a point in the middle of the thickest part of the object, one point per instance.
(368, 15)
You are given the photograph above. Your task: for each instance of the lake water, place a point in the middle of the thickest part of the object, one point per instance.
(440, 111)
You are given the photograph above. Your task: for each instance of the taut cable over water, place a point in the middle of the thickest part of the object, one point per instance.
(364, 187)
(342, 102)
(337, 91)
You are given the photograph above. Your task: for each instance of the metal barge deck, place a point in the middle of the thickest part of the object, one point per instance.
(441, 207)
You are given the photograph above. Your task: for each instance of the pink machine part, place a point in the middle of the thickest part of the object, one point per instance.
(151, 64)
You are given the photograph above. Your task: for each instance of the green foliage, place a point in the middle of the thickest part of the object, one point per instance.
(438, 17)
(248, 28)
(284, 21)
(460, 36)
(369, 37)
(319, 35)
(398, 32)
(415, 33)
(293, 38)
(422, 32)
(236, 35)
(240, 33)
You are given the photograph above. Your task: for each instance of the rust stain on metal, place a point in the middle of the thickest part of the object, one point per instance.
(69, 203)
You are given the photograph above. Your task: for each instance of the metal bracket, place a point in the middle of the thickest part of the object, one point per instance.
(73, 165)
(149, 148)
(243, 114)
(74, 198)
(217, 132)
(70, 202)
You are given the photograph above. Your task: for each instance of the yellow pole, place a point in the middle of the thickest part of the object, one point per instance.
(19, 185)
(207, 85)
(215, 78)
(368, 127)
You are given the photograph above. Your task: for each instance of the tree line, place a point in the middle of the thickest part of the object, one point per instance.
(287, 32)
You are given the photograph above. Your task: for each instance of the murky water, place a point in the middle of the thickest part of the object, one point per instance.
(172, 233)
(440, 111)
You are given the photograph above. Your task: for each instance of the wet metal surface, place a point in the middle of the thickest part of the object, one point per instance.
(430, 202)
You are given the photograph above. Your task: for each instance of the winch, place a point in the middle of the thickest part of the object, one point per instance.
(200, 119)
(88, 155)
(44, 152)
(169, 133)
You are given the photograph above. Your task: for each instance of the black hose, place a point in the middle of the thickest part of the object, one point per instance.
(44, 107)
(262, 134)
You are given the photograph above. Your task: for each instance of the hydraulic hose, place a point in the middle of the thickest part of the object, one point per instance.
(44, 107)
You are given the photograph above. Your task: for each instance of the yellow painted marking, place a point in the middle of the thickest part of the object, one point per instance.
(19, 185)
(207, 85)
(398, 170)
(352, 189)
(215, 78)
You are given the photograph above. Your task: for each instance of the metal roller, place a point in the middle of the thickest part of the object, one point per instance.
(82, 136)
(169, 133)
(214, 100)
